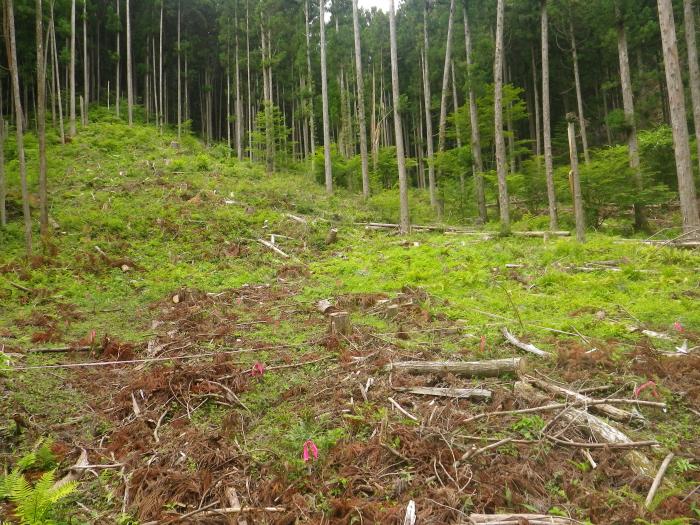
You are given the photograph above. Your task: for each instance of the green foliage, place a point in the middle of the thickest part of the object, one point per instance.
(529, 426)
(34, 505)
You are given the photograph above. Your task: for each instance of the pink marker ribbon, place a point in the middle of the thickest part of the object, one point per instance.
(309, 449)
(257, 370)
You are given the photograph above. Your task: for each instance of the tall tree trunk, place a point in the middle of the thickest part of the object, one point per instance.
(71, 123)
(360, 101)
(628, 107)
(474, 125)
(239, 104)
(689, 18)
(681, 146)
(501, 166)
(14, 72)
(538, 129)
(404, 220)
(179, 70)
(250, 100)
(3, 185)
(41, 119)
(129, 76)
(546, 120)
(160, 70)
(228, 97)
(117, 86)
(428, 113)
(442, 124)
(579, 96)
(576, 184)
(57, 77)
(458, 131)
(324, 96)
(86, 69)
(311, 123)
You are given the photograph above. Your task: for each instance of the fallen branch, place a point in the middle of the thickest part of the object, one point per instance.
(593, 426)
(402, 409)
(477, 451)
(75, 472)
(236, 510)
(517, 519)
(492, 368)
(59, 350)
(19, 287)
(457, 393)
(657, 479)
(604, 408)
(523, 346)
(272, 247)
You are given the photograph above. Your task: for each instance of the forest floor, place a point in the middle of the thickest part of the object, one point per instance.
(206, 365)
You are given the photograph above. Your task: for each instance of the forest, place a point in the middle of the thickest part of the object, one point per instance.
(310, 261)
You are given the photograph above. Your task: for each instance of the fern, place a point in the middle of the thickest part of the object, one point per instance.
(34, 505)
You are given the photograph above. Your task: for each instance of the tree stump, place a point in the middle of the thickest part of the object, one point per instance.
(332, 236)
(340, 323)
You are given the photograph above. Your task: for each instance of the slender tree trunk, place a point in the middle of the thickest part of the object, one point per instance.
(324, 96)
(428, 114)
(228, 98)
(501, 166)
(576, 184)
(160, 70)
(3, 184)
(41, 119)
(129, 76)
(474, 125)
(458, 133)
(71, 123)
(360, 101)
(311, 123)
(14, 72)
(694, 81)
(179, 70)
(681, 145)
(546, 120)
(57, 77)
(86, 69)
(445, 81)
(404, 220)
(538, 129)
(239, 104)
(628, 107)
(117, 86)
(250, 100)
(579, 96)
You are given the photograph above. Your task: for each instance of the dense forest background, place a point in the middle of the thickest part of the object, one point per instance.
(246, 75)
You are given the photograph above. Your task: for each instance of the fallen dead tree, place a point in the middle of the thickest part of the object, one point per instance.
(491, 368)
(457, 393)
(610, 411)
(592, 425)
(518, 519)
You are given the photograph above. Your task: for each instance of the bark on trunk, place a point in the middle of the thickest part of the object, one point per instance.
(312, 128)
(179, 71)
(71, 124)
(117, 86)
(579, 96)
(57, 78)
(86, 68)
(689, 20)
(328, 169)
(404, 219)
(576, 185)
(501, 167)
(445, 81)
(129, 76)
(681, 146)
(546, 120)
(19, 124)
(428, 113)
(360, 101)
(41, 119)
(474, 124)
(628, 108)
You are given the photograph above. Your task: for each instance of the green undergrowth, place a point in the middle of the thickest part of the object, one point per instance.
(138, 217)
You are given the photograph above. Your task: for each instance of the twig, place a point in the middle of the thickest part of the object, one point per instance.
(231, 394)
(523, 346)
(581, 444)
(401, 409)
(19, 287)
(273, 248)
(657, 480)
(473, 453)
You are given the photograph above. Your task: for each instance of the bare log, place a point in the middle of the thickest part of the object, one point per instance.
(492, 368)
(593, 426)
(457, 393)
(610, 411)
(657, 479)
(517, 519)
(325, 306)
(523, 346)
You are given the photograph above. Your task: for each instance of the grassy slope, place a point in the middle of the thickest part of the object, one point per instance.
(139, 219)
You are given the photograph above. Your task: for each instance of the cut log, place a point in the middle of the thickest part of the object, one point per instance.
(340, 323)
(517, 519)
(296, 218)
(332, 236)
(457, 393)
(492, 368)
(325, 306)
(610, 411)
(523, 346)
(592, 425)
